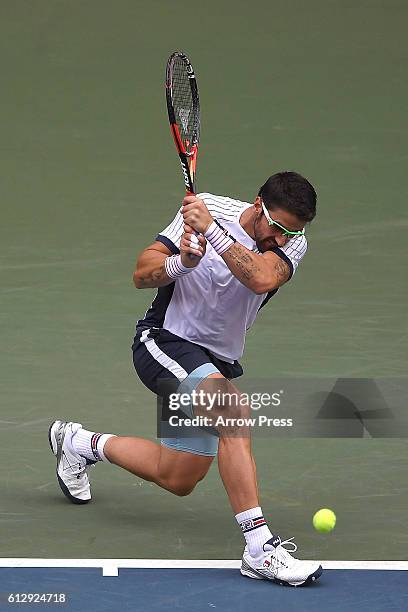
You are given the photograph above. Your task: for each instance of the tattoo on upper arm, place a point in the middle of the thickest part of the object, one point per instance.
(282, 271)
(243, 260)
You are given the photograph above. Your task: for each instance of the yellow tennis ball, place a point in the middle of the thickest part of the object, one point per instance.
(324, 520)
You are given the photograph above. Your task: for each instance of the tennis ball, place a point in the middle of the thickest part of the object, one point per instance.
(324, 520)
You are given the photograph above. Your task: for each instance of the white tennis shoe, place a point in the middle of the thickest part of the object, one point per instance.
(277, 564)
(71, 467)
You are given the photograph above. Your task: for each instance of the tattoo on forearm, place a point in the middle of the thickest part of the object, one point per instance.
(159, 274)
(154, 277)
(243, 260)
(282, 271)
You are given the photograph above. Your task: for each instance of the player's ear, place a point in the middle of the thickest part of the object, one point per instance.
(257, 203)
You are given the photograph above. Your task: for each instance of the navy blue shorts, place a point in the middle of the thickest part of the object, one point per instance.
(158, 356)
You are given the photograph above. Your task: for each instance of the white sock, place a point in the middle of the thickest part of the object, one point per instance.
(89, 444)
(255, 530)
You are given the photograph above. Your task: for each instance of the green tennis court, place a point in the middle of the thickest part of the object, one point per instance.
(88, 178)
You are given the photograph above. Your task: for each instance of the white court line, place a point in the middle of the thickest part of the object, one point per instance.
(110, 567)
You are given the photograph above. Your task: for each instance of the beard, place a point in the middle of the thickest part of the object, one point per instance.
(263, 244)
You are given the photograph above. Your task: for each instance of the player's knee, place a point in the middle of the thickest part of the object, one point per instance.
(182, 489)
(182, 476)
(185, 490)
(183, 486)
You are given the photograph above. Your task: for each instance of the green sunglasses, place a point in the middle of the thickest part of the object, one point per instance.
(284, 230)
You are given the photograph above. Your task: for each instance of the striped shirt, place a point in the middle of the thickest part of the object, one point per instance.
(210, 306)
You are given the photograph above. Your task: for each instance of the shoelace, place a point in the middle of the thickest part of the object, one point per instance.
(289, 541)
(281, 551)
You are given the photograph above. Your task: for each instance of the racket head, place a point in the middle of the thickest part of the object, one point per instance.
(183, 106)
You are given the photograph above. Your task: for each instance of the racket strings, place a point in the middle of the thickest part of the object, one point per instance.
(183, 104)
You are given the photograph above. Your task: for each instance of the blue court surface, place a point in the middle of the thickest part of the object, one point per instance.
(195, 586)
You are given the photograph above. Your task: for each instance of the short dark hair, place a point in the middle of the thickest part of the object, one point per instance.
(292, 192)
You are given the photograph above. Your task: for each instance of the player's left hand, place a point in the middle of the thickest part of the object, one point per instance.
(195, 214)
(192, 247)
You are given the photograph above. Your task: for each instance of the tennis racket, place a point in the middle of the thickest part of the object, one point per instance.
(183, 106)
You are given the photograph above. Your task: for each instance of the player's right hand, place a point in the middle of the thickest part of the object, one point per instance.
(191, 244)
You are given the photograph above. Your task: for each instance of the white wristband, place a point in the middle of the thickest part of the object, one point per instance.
(219, 238)
(174, 268)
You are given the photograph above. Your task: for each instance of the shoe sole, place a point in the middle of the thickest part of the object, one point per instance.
(251, 573)
(63, 486)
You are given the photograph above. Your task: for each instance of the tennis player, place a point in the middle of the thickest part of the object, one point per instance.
(218, 262)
